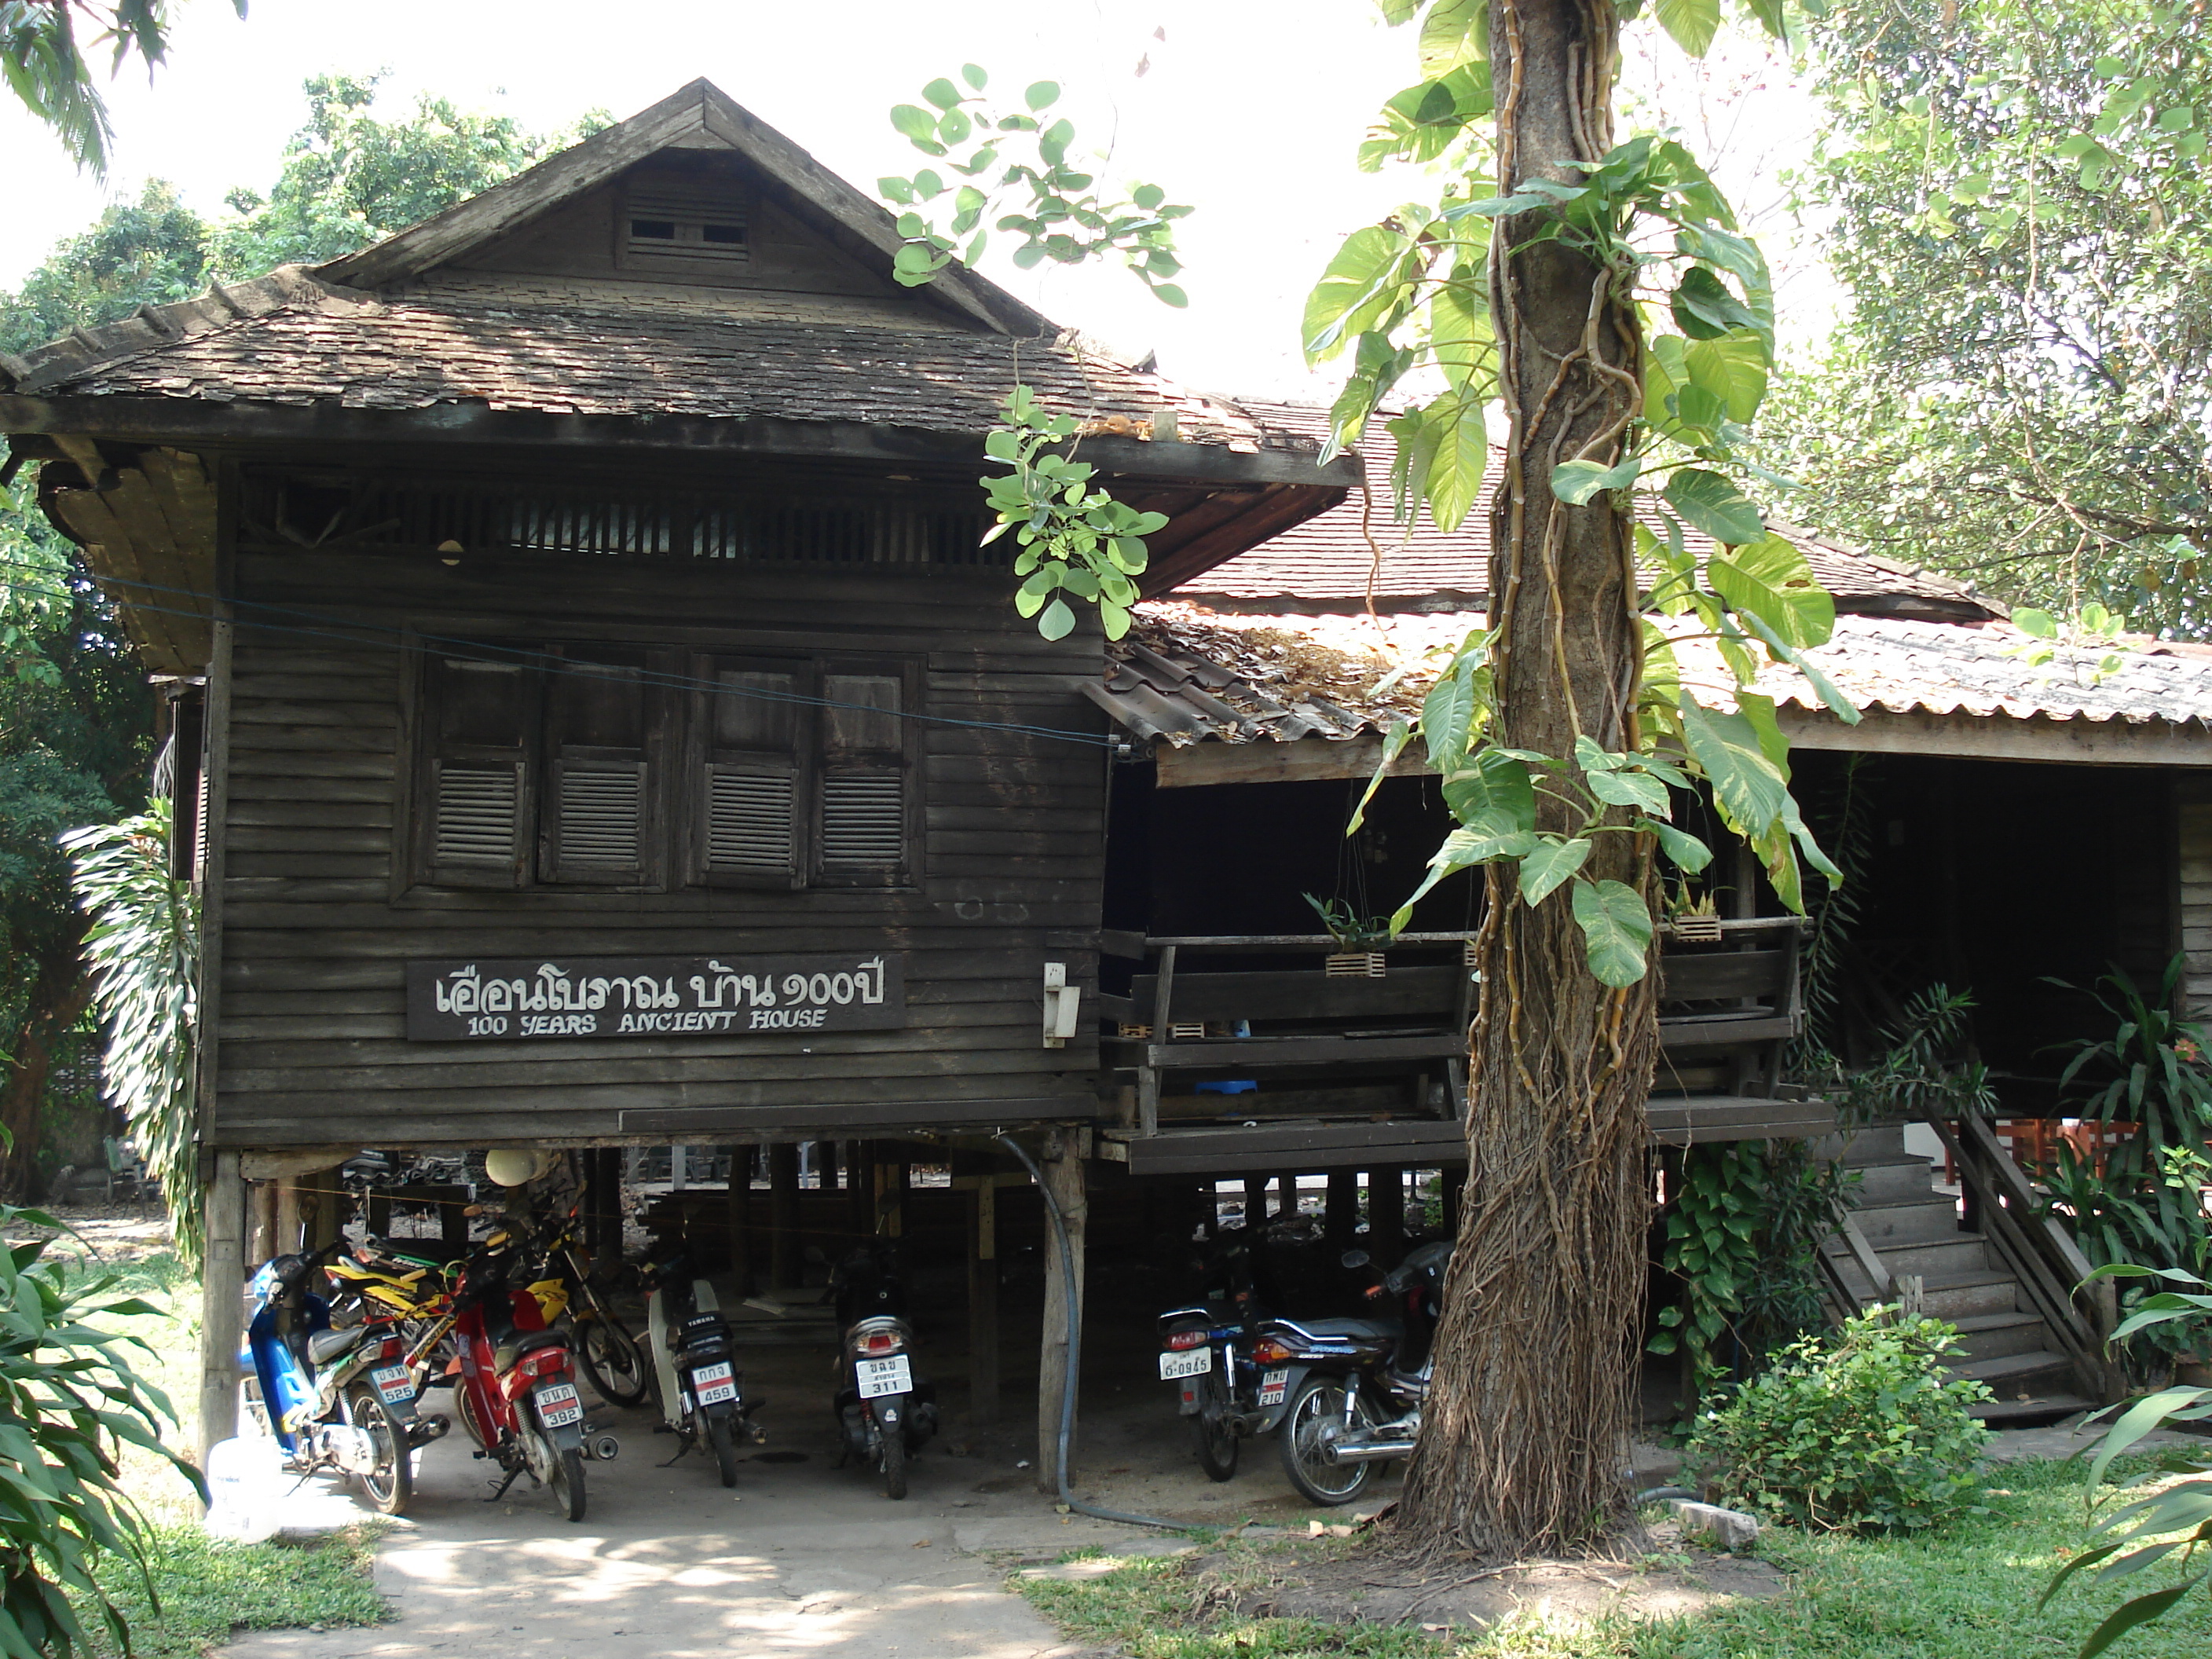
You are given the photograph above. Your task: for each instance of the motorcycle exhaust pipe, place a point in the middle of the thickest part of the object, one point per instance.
(426, 1429)
(603, 1448)
(1367, 1451)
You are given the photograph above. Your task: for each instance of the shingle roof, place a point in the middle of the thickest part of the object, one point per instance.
(1186, 674)
(1327, 562)
(510, 348)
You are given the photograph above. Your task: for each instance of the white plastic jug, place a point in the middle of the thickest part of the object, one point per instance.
(243, 1477)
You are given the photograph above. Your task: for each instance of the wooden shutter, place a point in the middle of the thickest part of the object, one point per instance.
(867, 810)
(599, 820)
(749, 723)
(475, 831)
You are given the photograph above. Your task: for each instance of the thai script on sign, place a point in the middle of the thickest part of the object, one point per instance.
(653, 996)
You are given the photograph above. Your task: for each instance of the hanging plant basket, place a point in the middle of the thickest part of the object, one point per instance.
(1697, 930)
(1354, 964)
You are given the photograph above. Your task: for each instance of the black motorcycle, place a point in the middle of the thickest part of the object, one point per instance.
(885, 1412)
(1351, 1389)
(698, 1388)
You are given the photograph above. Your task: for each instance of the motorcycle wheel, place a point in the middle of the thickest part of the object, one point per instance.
(1317, 1407)
(723, 1434)
(894, 1464)
(613, 1361)
(391, 1483)
(464, 1406)
(568, 1482)
(1215, 1443)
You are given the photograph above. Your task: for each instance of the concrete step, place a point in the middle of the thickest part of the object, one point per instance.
(1875, 1144)
(2037, 1387)
(1994, 1335)
(1920, 1221)
(2053, 1407)
(1954, 1295)
(1892, 1180)
(1962, 1253)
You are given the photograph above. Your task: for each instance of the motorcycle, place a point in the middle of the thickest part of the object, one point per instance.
(334, 1399)
(1228, 1387)
(516, 1393)
(886, 1412)
(1351, 1390)
(701, 1393)
(611, 1358)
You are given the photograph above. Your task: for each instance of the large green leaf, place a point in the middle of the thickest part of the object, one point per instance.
(1733, 366)
(1688, 852)
(1770, 579)
(1493, 782)
(1492, 835)
(1704, 309)
(1455, 33)
(1575, 481)
(1459, 324)
(1633, 789)
(1364, 281)
(1715, 506)
(1448, 713)
(1692, 23)
(1746, 783)
(1616, 926)
(1455, 447)
(1393, 744)
(1547, 864)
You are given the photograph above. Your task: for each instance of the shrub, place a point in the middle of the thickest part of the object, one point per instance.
(1863, 1429)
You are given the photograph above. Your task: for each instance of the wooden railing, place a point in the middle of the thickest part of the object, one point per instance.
(2049, 1265)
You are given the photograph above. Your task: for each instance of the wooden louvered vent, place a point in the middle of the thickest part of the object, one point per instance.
(749, 823)
(475, 814)
(863, 819)
(600, 817)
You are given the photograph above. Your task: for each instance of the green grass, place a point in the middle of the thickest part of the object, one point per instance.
(208, 1590)
(1967, 1591)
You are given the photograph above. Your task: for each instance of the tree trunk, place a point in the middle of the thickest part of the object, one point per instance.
(56, 1001)
(1527, 1416)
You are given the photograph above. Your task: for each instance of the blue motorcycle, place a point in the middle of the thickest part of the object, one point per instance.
(340, 1400)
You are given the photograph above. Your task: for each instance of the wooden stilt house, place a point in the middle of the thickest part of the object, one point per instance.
(597, 718)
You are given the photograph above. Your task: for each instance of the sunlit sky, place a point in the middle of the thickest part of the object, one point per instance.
(1250, 111)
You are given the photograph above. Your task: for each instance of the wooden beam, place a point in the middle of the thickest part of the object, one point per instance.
(783, 1214)
(2003, 736)
(983, 1307)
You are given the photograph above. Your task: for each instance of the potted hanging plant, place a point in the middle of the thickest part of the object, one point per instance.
(1694, 918)
(1360, 940)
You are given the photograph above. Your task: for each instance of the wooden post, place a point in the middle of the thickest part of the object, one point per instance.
(223, 1303)
(1386, 1216)
(1340, 1216)
(737, 1218)
(782, 1213)
(1286, 1195)
(890, 1196)
(1063, 1176)
(860, 1191)
(1256, 1201)
(825, 1164)
(983, 1306)
(261, 1242)
(288, 1216)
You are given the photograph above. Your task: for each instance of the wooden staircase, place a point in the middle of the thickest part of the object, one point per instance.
(1908, 1226)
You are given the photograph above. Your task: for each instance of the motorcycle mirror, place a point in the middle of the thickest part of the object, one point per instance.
(1355, 1258)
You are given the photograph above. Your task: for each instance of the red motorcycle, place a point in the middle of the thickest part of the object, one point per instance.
(516, 1393)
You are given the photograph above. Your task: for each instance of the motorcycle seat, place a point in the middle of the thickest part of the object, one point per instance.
(1355, 1330)
(323, 1346)
(512, 1348)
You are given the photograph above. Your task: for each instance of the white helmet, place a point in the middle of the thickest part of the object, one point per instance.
(510, 1167)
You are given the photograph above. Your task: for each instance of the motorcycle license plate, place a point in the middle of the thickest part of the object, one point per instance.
(712, 1384)
(1272, 1385)
(879, 1377)
(558, 1406)
(393, 1382)
(1194, 1361)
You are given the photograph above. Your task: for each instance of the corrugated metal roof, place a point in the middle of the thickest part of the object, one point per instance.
(1186, 673)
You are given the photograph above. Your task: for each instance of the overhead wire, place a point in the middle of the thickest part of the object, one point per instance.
(454, 647)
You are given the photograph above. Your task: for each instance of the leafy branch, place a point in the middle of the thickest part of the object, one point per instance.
(1056, 207)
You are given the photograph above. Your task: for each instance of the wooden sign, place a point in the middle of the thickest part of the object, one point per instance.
(653, 996)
